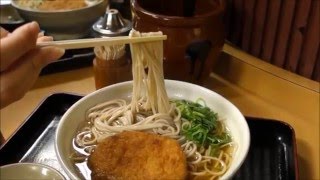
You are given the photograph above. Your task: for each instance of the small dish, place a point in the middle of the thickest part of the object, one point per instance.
(29, 171)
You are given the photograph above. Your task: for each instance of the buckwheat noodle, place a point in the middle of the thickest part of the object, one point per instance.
(150, 111)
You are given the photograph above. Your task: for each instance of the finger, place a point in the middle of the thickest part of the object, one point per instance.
(20, 77)
(18, 43)
(44, 39)
(17, 80)
(4, 32)
(40, 34)
(43, 56)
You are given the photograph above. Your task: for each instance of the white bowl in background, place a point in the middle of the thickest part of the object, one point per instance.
(65, 24)
(234, 120)
(29, 171)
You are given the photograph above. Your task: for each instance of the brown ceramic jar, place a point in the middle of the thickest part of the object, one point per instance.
(195, 34)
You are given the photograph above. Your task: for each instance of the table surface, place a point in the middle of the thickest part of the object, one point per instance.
(256, 88)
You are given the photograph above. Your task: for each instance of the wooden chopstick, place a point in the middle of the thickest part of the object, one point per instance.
(93, 42)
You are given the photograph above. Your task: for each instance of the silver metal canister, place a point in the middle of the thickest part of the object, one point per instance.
(112, 24)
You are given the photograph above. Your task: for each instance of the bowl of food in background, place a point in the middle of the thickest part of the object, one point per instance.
(62, 19)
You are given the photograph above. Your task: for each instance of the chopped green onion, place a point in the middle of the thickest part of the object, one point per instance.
(203, 124)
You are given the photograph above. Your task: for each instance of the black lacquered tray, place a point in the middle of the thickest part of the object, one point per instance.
(272, 154)
(71, 60)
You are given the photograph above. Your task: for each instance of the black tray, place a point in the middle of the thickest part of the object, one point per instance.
(71, 60)
(272, 153)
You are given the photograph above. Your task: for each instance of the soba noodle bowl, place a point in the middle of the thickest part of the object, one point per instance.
(151, 110)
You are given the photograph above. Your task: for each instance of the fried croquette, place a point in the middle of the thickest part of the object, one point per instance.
(138, 155)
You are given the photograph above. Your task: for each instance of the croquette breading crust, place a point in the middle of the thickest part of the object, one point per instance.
(138, 155)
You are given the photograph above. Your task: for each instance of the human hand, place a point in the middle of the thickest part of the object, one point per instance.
(21, 61)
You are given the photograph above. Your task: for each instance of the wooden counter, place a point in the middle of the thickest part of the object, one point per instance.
(257, 88)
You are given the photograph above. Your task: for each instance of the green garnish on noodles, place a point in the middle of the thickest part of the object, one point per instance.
(203, 126)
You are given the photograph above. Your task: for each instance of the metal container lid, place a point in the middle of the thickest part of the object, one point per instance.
(112, 24)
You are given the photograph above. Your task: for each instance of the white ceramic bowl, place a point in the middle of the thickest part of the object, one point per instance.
(65, 24)
(29, 171)
(235, 121)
